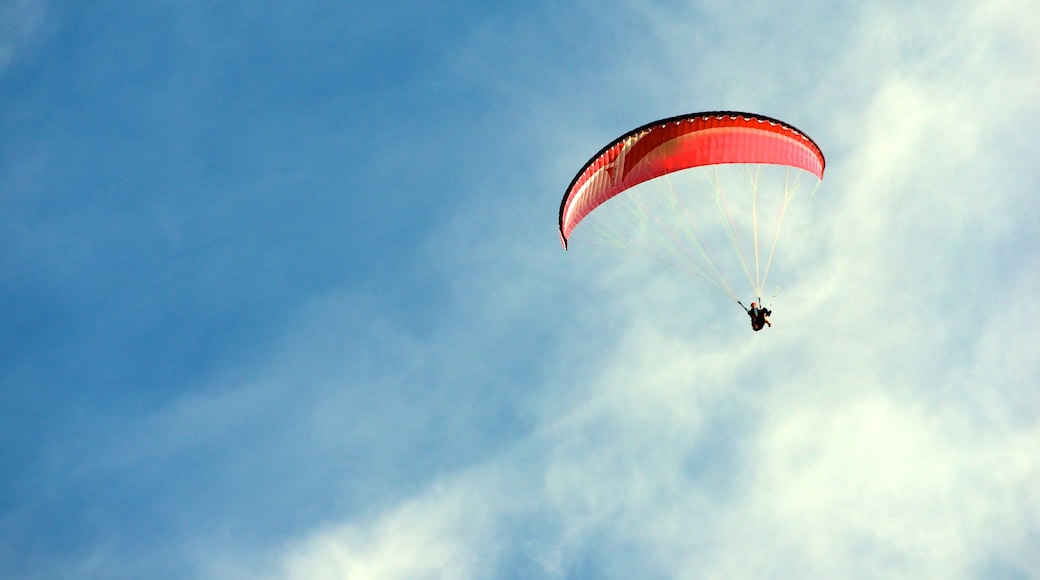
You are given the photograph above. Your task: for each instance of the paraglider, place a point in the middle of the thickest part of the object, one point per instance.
(669, 227)
(759, 317)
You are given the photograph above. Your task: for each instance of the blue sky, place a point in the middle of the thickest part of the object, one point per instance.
(283, 295)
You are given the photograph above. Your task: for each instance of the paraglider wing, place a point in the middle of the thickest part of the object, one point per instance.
(682, 142)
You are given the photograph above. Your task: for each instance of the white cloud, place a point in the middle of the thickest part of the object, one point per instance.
(434, 536)
(869, 485)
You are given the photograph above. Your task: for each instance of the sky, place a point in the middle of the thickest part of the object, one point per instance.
(283, 295)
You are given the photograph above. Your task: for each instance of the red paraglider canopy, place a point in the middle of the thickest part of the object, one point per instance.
(682, 142)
